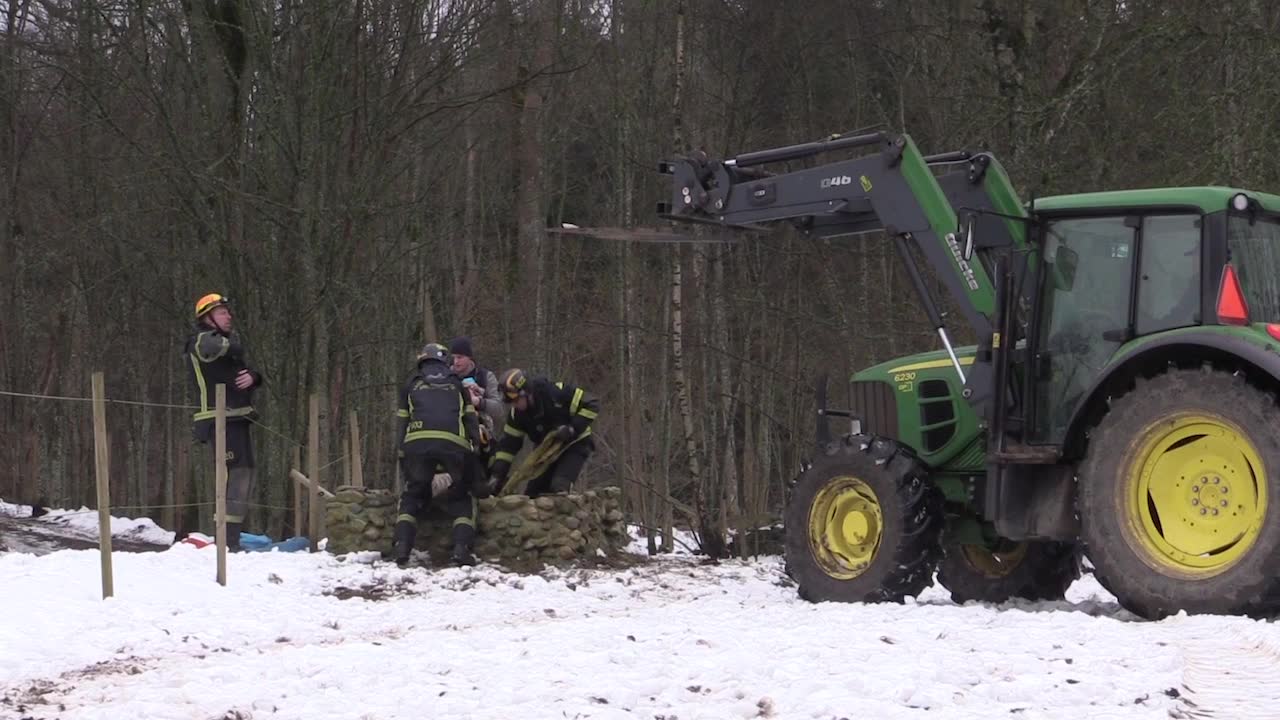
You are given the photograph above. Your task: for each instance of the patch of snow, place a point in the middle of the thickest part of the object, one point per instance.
(12, 510)
(683, 542)
(84, 523)
(671, 637)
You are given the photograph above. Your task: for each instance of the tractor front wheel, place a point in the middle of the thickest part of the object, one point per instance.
(1179, 496)
(862, 524)
(1031, 570)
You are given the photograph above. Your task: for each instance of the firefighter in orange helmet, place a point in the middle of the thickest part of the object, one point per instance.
(214, 356)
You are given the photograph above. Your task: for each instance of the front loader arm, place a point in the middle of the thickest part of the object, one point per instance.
(893, 190)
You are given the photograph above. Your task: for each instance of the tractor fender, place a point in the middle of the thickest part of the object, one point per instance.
(1260, 358)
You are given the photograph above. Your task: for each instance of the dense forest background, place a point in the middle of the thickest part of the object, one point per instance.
(361, 176)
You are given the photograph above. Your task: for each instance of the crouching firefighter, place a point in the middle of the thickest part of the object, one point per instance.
(544, 411)
(215, 356)
(438, 429)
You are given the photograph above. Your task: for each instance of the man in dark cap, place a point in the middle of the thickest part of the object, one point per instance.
(485, 396)
(482, 388)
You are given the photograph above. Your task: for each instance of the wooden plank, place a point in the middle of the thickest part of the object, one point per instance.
(346, 461)
(220, 478)
(313, 471)
(299, 520)
(357, 472)
(308, 486)
(104, 484)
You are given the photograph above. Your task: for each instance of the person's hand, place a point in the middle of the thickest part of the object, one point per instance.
(476, 394)
(440, 483)
(565, 433)
(244, 379)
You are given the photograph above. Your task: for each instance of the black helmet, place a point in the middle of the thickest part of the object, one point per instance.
(513, 382)
(434, 351)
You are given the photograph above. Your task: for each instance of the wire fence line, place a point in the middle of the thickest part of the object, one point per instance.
(145, 403)
(171, 406)
(109, 401)
(55, 514)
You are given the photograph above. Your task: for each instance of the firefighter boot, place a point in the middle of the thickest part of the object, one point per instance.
(233, 537)
(464, 537)
(406, 532)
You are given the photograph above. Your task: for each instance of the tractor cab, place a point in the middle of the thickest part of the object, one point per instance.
(1124, 269)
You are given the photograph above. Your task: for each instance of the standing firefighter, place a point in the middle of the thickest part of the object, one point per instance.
(545, 412)
(437, 430)
(215, 356)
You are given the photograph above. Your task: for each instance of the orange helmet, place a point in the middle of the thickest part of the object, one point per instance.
(209, 302)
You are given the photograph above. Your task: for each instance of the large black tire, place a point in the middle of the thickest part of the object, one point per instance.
(910, 518)
(1033, 570)
(1146, 537)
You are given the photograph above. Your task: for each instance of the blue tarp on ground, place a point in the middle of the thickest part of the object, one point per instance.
(263, 543)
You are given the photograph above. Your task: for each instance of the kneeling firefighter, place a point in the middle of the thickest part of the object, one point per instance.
(437, 431)
(543, 410)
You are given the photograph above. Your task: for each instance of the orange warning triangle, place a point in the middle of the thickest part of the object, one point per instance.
(1232, 308)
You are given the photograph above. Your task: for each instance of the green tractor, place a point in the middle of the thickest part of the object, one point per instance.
(1119, 405)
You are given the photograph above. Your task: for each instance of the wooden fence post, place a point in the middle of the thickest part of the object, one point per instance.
(104, 483)
(220, 478)
(313, 472)
(357, 472)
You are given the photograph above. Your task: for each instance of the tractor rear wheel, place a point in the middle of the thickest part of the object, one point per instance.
(1179, 496)
(862, 524)
(1032, 570)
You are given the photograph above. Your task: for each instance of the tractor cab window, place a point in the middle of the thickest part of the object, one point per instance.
(1169, 278)
(1254, 251)
(1084, 302)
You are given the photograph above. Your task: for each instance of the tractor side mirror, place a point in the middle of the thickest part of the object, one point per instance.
(967, 252)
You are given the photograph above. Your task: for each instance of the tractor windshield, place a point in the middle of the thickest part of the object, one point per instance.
(1254, 251)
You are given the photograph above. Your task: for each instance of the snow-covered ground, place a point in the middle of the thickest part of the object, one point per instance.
(296, 635)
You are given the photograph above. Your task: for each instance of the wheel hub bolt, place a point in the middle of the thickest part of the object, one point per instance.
(1217, 480)
(1195, 501)
(1224, 503)
(1195, 488)
(1215, 511)
(1203, 511)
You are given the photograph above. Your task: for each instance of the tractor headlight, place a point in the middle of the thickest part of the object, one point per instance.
(1240, 202)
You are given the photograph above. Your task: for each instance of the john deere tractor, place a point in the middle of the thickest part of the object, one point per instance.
(1119, 403)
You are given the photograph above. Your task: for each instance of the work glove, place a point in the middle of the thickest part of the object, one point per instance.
(440, 483)
(565, 433)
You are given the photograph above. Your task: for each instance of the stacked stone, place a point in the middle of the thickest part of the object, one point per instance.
(552, 528)
(359, 519)
(555, 529)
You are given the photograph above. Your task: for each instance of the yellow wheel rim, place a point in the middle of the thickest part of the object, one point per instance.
(1196, 495)
(994, 564)
(845, 527)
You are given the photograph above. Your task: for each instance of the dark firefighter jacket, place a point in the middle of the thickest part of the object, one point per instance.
(554, 404)
(434, 409)
(214, 357)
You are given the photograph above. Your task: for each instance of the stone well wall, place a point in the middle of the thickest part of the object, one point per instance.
(512, 529)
